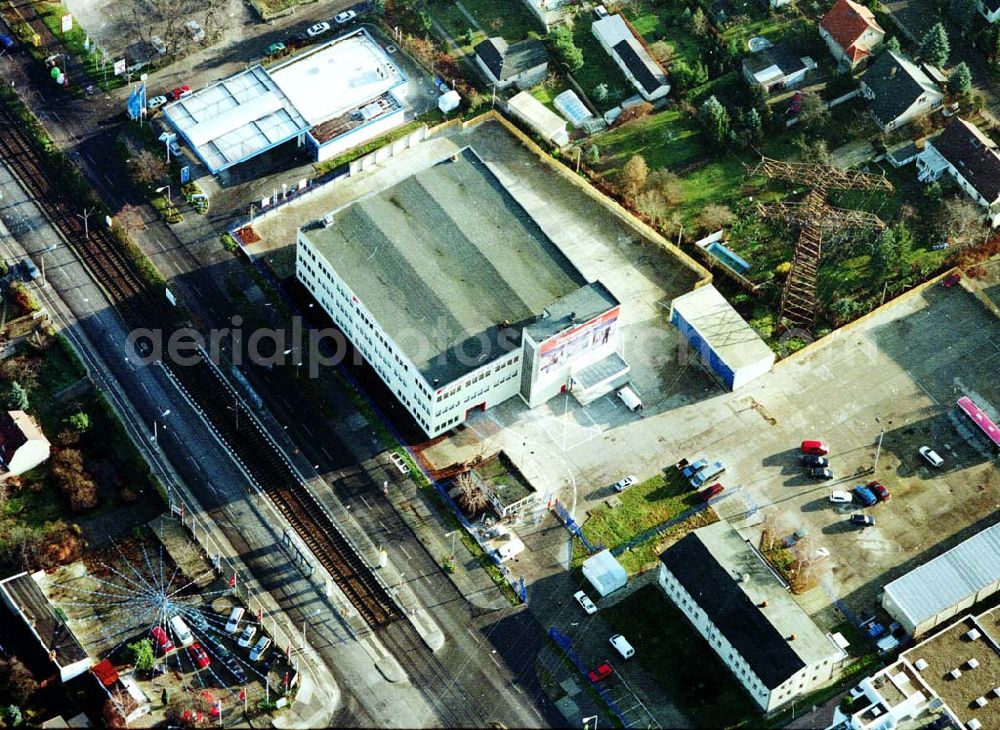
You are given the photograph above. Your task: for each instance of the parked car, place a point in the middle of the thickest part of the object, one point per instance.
(811, 460)
(180, 92)
(235, 616)
(694, 467)
(711, 492)
(602, 672)
(821, 472)
(157, 43)
(345, 17)
(30, 270)
(156, 102)
(298, 37)
(270, 660)
(584, 600)
(841, 497)
(195, 30)
(865, 495)
(161, 641)
(709, 472)
(274, 49)
(318, 29)
(622, 484)
(199, 655)
(199, 621)
(258, 651)
(246, 638)
(863, 520)
(931, 455)
(814, 447)
(181, 631)
(951, 280)
(621, 645)
(881, 491)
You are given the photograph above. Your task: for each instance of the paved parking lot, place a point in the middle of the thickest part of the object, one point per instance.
(906, 365)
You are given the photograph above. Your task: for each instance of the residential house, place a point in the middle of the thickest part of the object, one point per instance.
(524, 64)
(972, 160)
(23, 446)
(747, 616)
(628, 51)
(549, 12)
(898, 91)
(989, 9)
(851, 32)
(775, 68)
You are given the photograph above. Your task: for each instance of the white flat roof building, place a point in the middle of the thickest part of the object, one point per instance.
(617, 38)
(549, 125)
(333, 97)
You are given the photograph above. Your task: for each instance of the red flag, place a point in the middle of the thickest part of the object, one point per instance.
(288, 651)
(182, 511)
(232, 581)
(285, 680)
(243, 694)
(260, 614)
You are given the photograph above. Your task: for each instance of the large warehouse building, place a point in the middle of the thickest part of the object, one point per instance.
(947, 585)
(332, 97)
(720, 337)
(492, 307)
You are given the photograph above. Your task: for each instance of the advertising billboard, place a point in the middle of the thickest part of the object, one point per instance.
(559, 351)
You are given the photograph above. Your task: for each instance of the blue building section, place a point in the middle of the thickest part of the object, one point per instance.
(705, 352)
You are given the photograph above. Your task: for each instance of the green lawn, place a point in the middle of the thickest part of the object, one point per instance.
(642, 507)
(669, 139)
(511, 20)
(598, 68)
(681, 661)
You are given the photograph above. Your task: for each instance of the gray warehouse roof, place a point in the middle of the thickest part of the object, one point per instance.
(949, 578)
(442, 260)
(722, 327)
(25, 594)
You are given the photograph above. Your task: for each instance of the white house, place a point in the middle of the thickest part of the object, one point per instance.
(23, 446)
(989, 9)
(971, 159)
(776, 68)
(617, 38)
(851, 33)
(772, 647)
(898, 91)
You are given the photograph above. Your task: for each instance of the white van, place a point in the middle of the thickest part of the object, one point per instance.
(181, 631)
(622, 646)
(233, 624)
(630, 398)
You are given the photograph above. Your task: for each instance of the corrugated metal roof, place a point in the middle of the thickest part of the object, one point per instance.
(949, 578)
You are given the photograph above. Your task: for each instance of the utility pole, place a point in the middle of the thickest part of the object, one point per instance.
(86, 221)
(878, 449)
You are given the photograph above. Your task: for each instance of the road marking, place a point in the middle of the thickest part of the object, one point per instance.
(926, 392)
(305, 428)
(403, 550)
(494, 660)
(477, 639)
(323, 449)
(385, 528)
(362, 498)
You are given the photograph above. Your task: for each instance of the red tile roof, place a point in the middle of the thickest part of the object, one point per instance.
(846, 23)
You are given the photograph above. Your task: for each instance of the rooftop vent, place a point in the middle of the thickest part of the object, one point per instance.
(876, 711)
(792, 637)
(972, 663)
(973, 724)
(328, 220)
(972, 634)
(955, 673)
(920, 664)
(762, 604)
(980, 702)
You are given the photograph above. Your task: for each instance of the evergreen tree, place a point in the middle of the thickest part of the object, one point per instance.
(715, 119)
(600, 93)
(963, 12)
(892, 44)
(934, 47)
(17, 397)
(561, 41)
(960, 80)
(754, 125)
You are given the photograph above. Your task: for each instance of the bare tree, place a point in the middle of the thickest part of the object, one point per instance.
(146, 167)
(960, 221)
(714, 216)
(634, 175)
(652, 204)
(667, 183)
(470, 496)
(129, 218)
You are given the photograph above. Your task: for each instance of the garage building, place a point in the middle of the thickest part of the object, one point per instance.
(720, 337)
(947, 585)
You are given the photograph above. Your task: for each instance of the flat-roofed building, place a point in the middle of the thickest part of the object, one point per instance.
(746, 614)
(456, 297)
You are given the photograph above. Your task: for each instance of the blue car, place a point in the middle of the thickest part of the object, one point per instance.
(865, 495)
(6, 42)
(693, 468)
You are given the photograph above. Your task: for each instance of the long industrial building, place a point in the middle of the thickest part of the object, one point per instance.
(457, 298)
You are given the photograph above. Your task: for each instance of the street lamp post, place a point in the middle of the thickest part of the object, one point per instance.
(878, 449)
(167, 188)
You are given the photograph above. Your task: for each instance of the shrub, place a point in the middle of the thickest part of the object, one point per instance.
(17, 397)
(73, 480)
(79, 422)
(564, 49)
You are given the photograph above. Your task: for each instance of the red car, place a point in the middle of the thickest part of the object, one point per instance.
(163, 642)
(951, 280)
(602, 672)
(816, 448)
(180, 92)
(881, 491)
(199, 655)
(710, 492)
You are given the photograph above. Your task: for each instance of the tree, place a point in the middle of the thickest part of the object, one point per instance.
(12, 716)
(661, 51)
(934, 46)
(18, 680)
(753, 124)
(73, 480)
(892, 44)
(634, 175)
(687, 76)
(715, 119)
(960, 80)
(887, 257)
(652, 204)
(963, 12)
(79, 422)
(141, 654)
(593, 154)
(564, 49)
(147, 168)
(600, 93)
(814, 111)
(667, 184)
(470, 496)
(377, 7)
(17, 397)
(699, 23)
(960, 221)
(714, 217)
